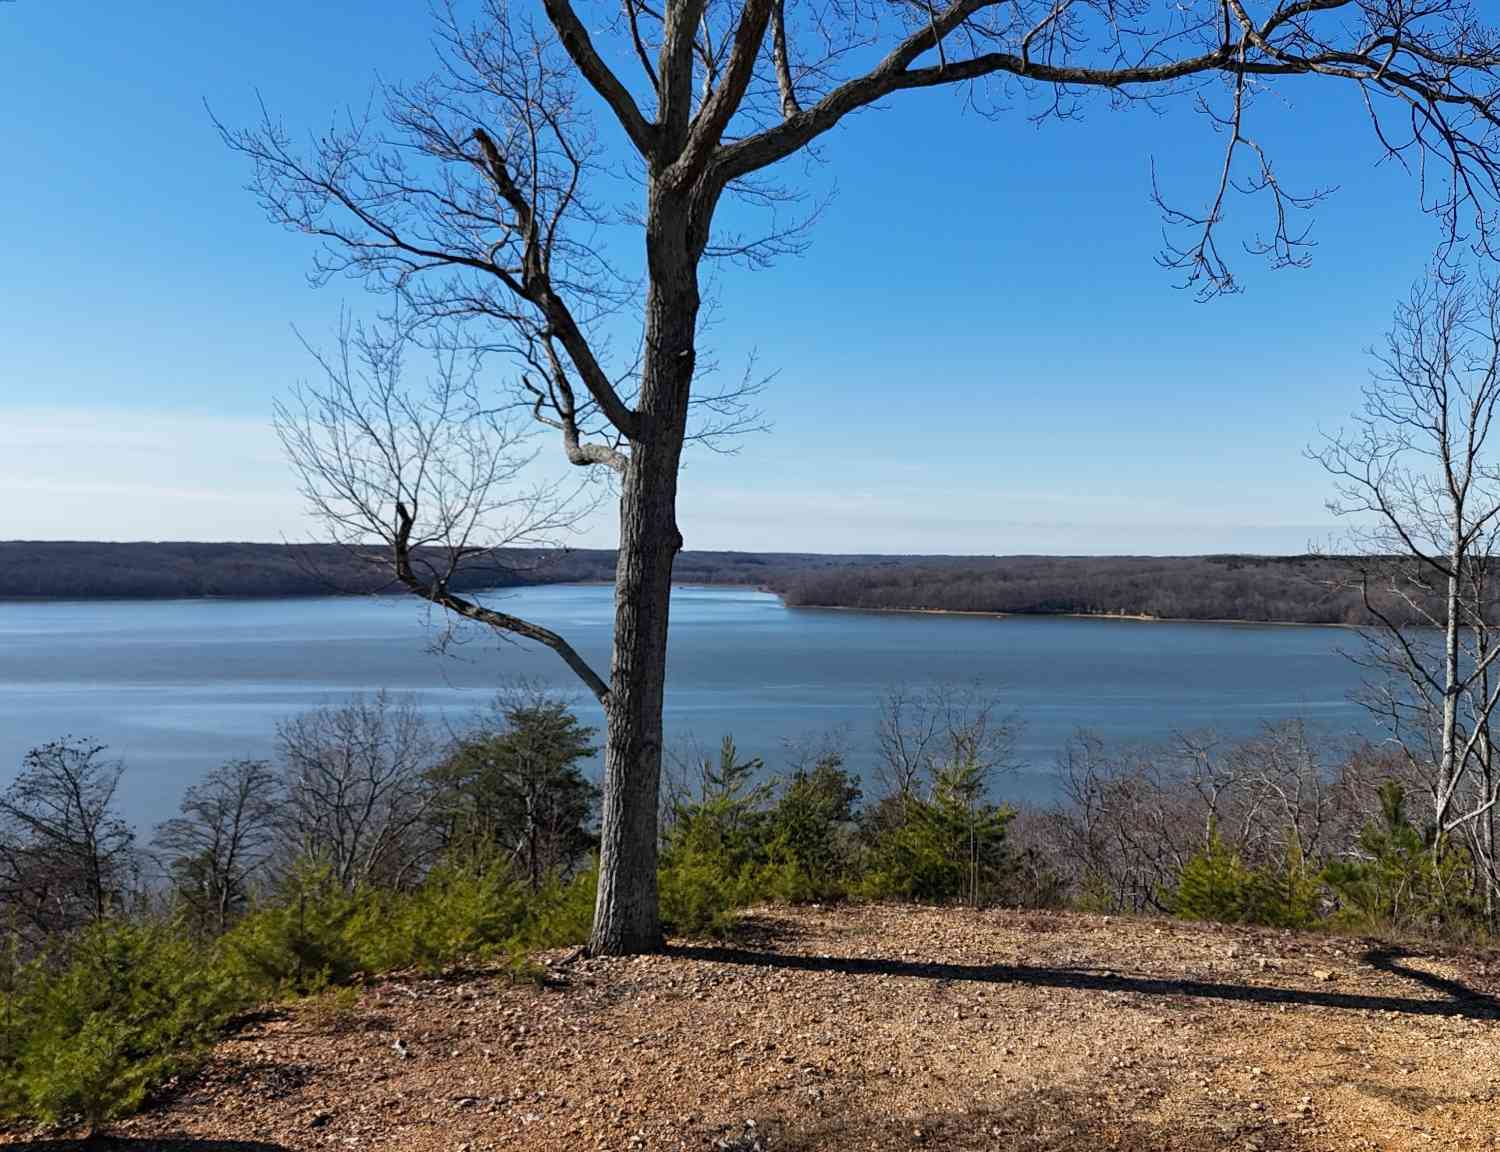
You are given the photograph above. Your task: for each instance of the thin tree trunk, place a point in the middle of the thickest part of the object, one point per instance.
(1447, 769)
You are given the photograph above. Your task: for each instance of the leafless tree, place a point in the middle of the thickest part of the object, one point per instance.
(425, 482)
(222, 839)
(66, 856)
(1133, 817)
(356, 789)
(1126, 828)
(1483, 786)
(919, 730)
(1417, 475)
(484, 196)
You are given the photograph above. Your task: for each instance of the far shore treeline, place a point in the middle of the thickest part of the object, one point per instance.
(1306, 589)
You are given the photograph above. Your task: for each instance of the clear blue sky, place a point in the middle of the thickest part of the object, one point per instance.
(977, 354)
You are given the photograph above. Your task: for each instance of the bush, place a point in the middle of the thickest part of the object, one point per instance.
(300, 940)
(949, 847)
(1401, 883)
(86, 1036)
(699, 895)
(314, 934)
(131, 1006)
(460, 912)
(715, 848)
(810, 853)
(1217, 885)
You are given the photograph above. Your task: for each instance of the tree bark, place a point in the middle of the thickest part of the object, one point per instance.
(625, 912)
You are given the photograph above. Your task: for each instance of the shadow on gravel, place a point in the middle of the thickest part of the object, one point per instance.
(1385, 960)
(1461, 1001)
(159, 1144)
(1051, 1120)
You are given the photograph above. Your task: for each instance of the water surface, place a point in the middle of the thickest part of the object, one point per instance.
(175, 687)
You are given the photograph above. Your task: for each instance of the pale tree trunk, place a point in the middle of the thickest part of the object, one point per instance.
(625, 912)
(1484, 748)
(1447, 769)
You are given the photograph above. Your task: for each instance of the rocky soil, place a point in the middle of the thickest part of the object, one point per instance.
(883, 1028)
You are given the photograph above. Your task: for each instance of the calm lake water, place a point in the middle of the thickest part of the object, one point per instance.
(176, 687)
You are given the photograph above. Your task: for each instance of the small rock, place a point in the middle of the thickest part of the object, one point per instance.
(1322, 974)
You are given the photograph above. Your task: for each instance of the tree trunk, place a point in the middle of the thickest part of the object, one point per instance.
(1447, 768)
(625, 913)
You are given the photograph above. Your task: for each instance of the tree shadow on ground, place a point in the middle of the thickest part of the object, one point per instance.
(1461, 1000)
(1385, 960)
(142, 1144)
(1045, 1120)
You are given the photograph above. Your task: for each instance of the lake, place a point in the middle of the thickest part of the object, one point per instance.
(175, 687)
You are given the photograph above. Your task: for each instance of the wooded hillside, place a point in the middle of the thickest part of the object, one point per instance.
(1302, 589)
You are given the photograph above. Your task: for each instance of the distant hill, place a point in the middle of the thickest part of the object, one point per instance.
(1289, 589)
(1300, 589)
(83, 570)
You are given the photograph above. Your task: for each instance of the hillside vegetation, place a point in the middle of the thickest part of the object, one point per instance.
(376, 845)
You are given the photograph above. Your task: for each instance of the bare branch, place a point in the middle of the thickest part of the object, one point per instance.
(427, 483)
(575, 39)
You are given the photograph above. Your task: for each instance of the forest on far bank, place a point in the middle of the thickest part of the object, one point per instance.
(1307, 589)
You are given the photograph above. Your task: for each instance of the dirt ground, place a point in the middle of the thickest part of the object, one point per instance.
(883, 1028)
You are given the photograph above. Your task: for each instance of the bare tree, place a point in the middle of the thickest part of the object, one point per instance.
(223, 837)
(425, 482)
(1133, 817)
(1417, 475)
(1483, 786)
(356, 789)
(481, 198)
(919, 730)
(66, 857)
(1127, 826)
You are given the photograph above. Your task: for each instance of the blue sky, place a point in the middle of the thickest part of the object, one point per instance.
(977, 354)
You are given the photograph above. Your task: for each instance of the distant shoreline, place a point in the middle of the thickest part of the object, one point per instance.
(1308, 590)
(1123, 617)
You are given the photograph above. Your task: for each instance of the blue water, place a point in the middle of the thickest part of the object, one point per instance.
(175, 687)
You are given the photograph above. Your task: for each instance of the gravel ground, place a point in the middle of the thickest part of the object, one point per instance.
(882, 1028)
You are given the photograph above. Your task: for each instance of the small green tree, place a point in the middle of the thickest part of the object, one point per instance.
(1404, 879)
(949, 847)
(132, 1005)
(725, 821)
(715, 844)
(298, 940)
(810, 849)
(520, 790)
(1216, 884)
